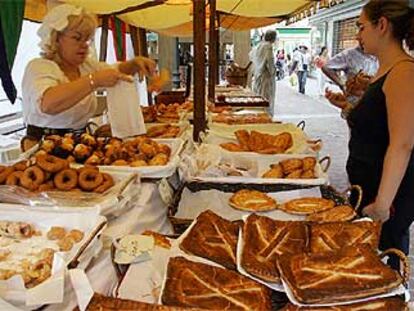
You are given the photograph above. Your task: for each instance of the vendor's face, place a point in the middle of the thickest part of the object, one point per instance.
(367, 34)
(73, 46)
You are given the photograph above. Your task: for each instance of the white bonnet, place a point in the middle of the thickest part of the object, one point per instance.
(56, 19)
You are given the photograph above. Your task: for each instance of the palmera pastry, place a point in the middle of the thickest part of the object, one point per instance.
(380, 304)
(291, 165)
(276, 171)
(16, 229)
(194, 284)
(338, 213)
(56, 233)
(349, 273)
(265, 240)
(305, 206)
(252, 200)
(333, 236)
(214, 238)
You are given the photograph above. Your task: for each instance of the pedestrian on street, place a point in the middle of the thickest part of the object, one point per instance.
(264, 82)
(381, 143)
(320, 61)
(300, 65)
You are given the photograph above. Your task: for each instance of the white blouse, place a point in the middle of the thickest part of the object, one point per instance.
(40, 75)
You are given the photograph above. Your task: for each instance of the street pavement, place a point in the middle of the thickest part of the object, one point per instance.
(322, 121)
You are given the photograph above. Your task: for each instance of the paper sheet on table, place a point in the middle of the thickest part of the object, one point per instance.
(124, 110)
(194, 203)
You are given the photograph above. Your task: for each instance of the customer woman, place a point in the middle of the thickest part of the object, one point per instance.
(382, 129)
(58, 88)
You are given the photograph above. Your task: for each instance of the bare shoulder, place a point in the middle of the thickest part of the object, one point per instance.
(401, 77)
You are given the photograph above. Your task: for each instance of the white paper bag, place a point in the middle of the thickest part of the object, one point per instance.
(124, 110)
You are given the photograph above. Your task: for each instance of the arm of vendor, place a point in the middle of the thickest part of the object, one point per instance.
(58, 87)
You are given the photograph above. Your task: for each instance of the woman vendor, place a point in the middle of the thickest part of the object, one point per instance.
(58, 88)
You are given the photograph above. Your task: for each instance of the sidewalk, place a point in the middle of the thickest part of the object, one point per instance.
(322, 121)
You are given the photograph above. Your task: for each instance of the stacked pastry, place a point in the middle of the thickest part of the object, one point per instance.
(260, 143)
(90, 150)
(293, 168)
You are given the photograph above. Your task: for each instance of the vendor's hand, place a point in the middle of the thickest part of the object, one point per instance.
(336, 99)
(109, 77)
(144, 66)
(376, 212)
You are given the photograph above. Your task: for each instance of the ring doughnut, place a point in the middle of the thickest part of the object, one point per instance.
(89, 179)
(66, 179)
(50, 163)
(20, 166)
(14, 178)
(32, 177)
(107, 183)
(47, 186)
(5, 171)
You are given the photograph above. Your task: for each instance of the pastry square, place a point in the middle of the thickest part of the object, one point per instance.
(333, 236)
(194, 284)
(265, 240)
(351, 273)
(213, 238)
(381, 304)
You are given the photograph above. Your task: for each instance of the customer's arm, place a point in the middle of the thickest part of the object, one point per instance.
(400, 112)
(333, 75)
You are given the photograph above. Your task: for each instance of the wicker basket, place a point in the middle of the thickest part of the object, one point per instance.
(328, 192)
(237, 80)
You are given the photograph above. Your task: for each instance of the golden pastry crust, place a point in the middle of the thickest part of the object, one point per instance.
(159, 159)
(76, 235)
(214, 238)
(196, 284)
(276, 171)
(291, 165)
(338, 213)
(380, 304)
(296, 174)
(252, 200)
(265, 240)
(334, 236)
(306, 206)
(233, 147)
(309, 174)
(243, 138)
(159, 239)
(102, 303)
(309, 163)
(56, 233)
(350, 273)
(65, 244)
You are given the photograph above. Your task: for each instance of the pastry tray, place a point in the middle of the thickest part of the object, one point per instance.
(51, 290)
(112, 202)
(181, 224)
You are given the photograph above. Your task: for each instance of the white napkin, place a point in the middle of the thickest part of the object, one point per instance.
(124, 110)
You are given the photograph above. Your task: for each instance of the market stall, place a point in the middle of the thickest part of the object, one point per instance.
(214, 207)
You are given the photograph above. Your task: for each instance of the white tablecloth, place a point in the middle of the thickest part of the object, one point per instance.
(149, 212)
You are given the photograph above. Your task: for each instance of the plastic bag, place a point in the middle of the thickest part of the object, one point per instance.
(293, 79)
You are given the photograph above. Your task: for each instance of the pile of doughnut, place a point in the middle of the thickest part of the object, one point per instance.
(46, 172)
(90, 150)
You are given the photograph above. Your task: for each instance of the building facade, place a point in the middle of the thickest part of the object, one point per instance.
(335, 27)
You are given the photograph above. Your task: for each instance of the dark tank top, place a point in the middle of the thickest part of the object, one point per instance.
(368, 122)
